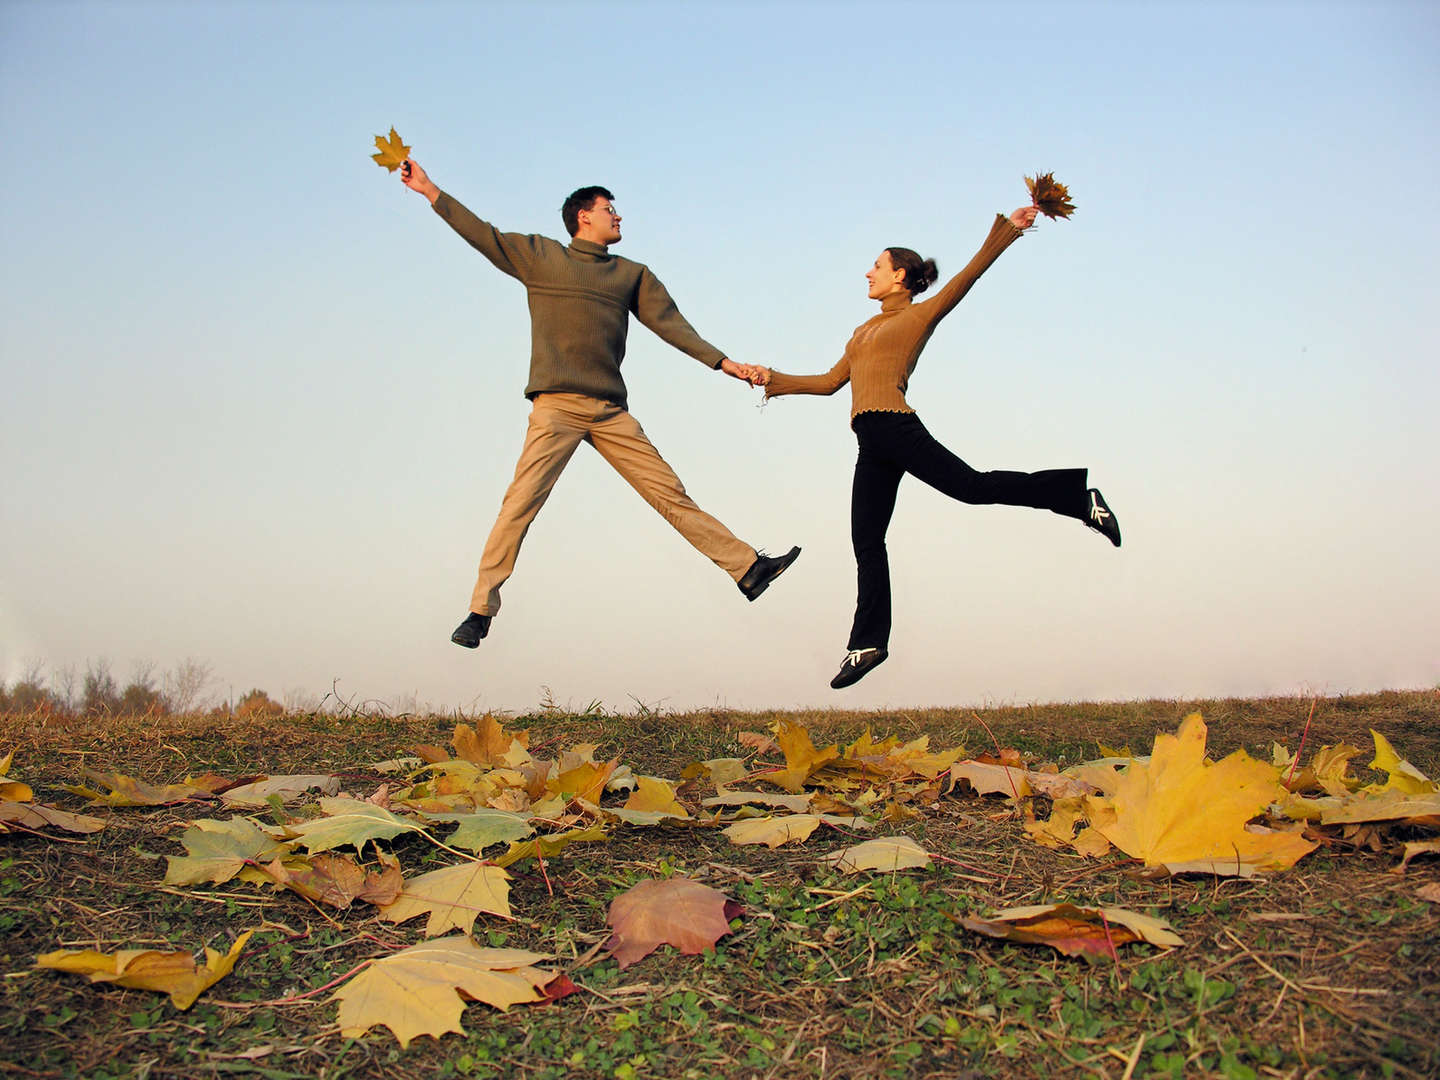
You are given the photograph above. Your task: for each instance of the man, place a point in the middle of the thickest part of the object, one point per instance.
(581, 298)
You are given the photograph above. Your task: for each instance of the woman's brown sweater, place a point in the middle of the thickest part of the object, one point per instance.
(883, 352)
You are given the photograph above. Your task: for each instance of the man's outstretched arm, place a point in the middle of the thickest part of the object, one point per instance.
(512, 253)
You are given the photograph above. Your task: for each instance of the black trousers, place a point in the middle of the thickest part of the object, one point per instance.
(893, 444)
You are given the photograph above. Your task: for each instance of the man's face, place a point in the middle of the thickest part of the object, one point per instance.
(601, 223)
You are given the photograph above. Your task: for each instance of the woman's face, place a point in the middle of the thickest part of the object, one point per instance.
(884, 279)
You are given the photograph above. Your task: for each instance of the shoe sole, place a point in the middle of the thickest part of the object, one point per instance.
(465, 644)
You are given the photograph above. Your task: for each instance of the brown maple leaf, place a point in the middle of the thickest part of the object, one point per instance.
(1049, 196)
(676, 911)
(393, 153)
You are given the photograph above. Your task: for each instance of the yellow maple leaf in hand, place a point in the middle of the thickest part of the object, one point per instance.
(1180, 809)
(393, 153)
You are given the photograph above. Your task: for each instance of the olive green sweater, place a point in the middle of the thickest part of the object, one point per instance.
(581, 298)
(882, 352)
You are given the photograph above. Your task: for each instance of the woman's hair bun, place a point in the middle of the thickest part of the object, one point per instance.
(920, 273)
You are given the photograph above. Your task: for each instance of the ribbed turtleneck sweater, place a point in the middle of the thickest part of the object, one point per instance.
(581, 298)
(882, 352)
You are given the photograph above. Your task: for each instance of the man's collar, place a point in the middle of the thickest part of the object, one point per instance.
(588, 247)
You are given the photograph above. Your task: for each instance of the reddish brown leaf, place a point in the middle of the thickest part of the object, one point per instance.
(676, 911)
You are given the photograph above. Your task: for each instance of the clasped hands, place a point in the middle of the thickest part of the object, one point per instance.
(754, 374)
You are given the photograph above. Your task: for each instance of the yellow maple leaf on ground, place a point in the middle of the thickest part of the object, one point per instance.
(657, 796)
(172, 973)
(1178, 808)
(802, 760)
(127, 791)
(392, 153)
(1058, 831)
(418, 991)
(884, 853)
(452, 897)
(13, 790)
(547, 846)
(1403, 776)
(490, 744)
(773, 831)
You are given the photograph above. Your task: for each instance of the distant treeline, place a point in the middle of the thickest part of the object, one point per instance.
(185, 689)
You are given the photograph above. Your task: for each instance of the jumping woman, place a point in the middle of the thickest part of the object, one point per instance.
(878, 363)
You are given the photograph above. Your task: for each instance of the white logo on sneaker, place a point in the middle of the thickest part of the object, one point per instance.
(854, 656)
(1097, 512)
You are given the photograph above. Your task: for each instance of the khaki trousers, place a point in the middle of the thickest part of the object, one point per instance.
(558, 424)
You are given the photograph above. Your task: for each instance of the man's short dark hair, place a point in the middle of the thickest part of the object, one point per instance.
(581, 199)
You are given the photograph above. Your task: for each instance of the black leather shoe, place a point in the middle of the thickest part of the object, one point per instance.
(765, 569)
(858, 663)
(469, 632)
(1101, 518)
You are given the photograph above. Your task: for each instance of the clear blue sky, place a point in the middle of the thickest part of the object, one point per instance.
(260, 404)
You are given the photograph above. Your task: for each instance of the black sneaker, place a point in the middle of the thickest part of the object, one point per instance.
(469, 632)
(1101, 518)
(764, 570)
(858, 663)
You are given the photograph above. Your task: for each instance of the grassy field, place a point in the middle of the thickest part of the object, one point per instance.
(1326, 970)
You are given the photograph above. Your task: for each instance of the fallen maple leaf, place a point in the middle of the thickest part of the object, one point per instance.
(1075, 931)
(721, 771)
(586, 781)
(349, 821)
(172, 973)
(13, 790)
(393, 152)
(38, 816)
(337, 880)
(794, 803)
(546, 846)
(127, 791)
(989, 779)
(773, 831)
(885, 853)
(422, 990)
(490, 744)
(802, 760)
(483, 827)
(1178, 809)
(218, 850)
(452, 897)
(287, 788)
(1414, 848)
(1404, 777)
(675, 911)
(759, 741)
(656, 796)
(1388, 804)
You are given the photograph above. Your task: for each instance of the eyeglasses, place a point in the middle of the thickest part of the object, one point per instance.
(607, 209)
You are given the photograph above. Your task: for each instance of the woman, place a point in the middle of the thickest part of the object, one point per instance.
(877, 363)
